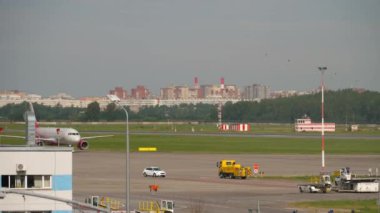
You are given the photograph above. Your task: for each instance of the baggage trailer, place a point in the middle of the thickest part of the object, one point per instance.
(165, 206)
(346, 182)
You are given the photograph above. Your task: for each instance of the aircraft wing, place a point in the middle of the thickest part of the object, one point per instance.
(99, 136)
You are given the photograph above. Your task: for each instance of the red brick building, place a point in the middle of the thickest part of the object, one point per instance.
(140, 92)
(119, 92)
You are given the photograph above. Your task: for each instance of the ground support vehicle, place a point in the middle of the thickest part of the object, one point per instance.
(324, 185)
(104, 202)
(165, 206)
(231, 169)
(347, 182)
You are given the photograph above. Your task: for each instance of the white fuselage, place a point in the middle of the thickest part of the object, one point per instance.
(58, 136)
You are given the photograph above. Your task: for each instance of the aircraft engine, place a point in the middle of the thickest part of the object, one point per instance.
(82, 145)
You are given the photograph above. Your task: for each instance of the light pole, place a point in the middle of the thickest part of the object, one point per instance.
(116, 100)
(322, 70)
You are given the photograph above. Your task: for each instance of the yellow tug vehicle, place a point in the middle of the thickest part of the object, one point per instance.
(231, 169)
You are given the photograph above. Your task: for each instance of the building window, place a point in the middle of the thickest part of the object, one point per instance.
(20, 181)
(12, 181)
(47, 181)
(34, 181)
(26, 181)
(5, 181)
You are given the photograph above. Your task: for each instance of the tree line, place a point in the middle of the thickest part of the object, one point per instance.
(343, 106)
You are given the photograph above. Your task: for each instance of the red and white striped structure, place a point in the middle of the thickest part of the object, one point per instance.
(305, 125)
(322, 70)
(224, 127)
(239, 127)
(196, 82)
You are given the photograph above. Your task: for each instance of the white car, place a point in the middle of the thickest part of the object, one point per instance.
(308, 188)
(154, 172)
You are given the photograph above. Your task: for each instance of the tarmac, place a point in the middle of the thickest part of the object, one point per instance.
(193, 183)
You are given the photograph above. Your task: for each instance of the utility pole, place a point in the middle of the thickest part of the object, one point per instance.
(220, 108)
(322, 70)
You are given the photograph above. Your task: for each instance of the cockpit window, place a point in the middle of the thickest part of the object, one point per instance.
(73, 133)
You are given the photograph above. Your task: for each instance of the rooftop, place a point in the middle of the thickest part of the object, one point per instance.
(24, 148)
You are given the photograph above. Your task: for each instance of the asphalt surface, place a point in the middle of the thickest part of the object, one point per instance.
(193, 184)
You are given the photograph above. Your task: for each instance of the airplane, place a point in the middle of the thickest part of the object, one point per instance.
(58, 136)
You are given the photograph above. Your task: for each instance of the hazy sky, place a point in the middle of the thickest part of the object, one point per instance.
(86, 48)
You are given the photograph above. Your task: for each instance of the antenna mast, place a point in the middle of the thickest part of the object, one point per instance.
(322, 70)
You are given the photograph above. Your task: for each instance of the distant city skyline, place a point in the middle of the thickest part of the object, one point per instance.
(87, 48)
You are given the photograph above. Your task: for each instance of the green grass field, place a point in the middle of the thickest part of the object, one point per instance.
(367, 206)
(215, 144)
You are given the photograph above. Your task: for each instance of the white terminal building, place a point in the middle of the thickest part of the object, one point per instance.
(41, 171)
